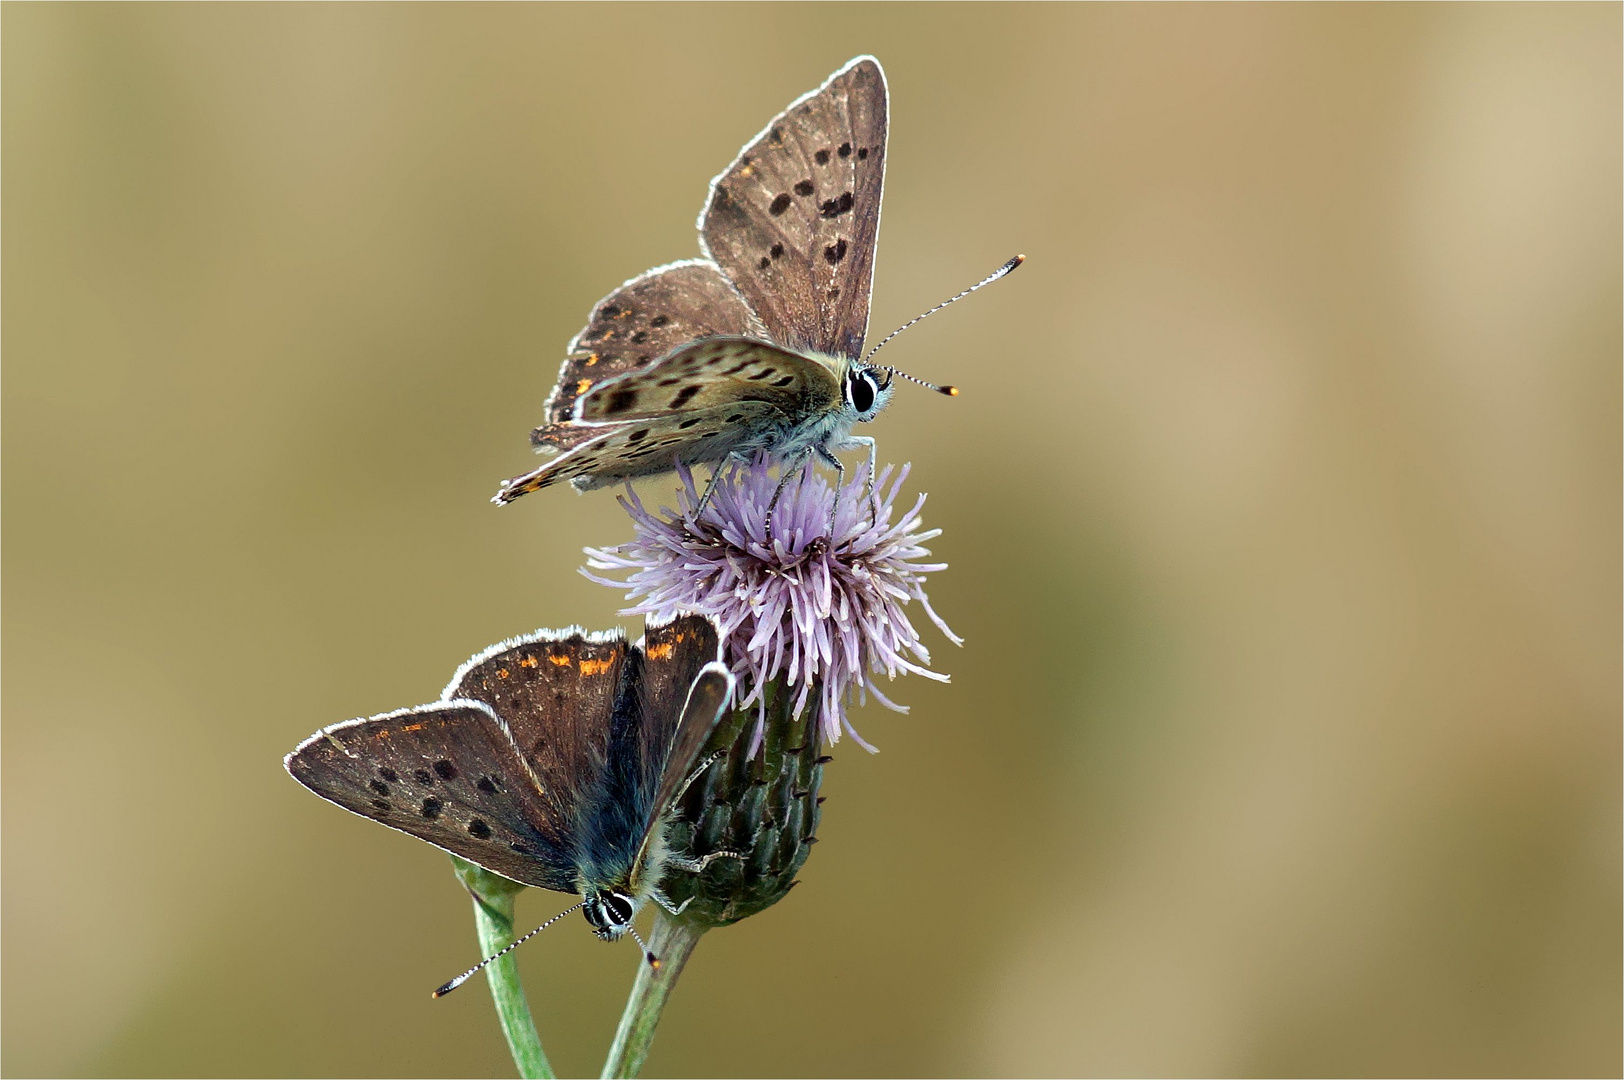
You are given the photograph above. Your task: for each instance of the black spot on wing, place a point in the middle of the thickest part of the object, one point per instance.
(684, 396)
(862, 153)
(637, 436)
(765, 262)
(487, 784)
(804, 188)
(779, 205)
(835, 251)
(389, 774)
(380, 787)
(431, 807)
(479, 830)
(621, 401)
(445, 770)
(785, 381)
(845, 149)
(777, 251)
(659, 320)
(821, 157)
(422, 776)
(833, 208)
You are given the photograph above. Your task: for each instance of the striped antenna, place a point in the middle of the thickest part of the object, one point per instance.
(1002, 271)
(653, 961)
(471, 972)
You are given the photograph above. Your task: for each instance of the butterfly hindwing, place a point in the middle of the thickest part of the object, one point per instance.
(649, 446)
(674, 653)
(714, 373)
(793, 221)
(450, 774)
(641, 321)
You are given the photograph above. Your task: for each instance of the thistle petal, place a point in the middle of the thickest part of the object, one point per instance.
(823, 610)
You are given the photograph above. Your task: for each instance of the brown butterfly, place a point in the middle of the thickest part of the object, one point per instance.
(759, 345)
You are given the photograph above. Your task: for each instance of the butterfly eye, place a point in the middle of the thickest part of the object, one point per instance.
(862, 390)
(619, 907)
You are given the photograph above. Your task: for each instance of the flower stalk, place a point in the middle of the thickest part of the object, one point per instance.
(673, 941)
(493, 897)
(759, 802)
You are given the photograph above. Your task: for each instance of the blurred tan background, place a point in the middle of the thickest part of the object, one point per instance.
(1282, 503)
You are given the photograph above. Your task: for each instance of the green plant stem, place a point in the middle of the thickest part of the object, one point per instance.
(672, 941)
(493, 916)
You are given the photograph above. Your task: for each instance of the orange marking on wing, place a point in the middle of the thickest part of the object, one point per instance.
(591, 358)
(583, 386)
(502, 673)
(560, 661)
(595, 667)
(661, 651)
(529, 661)
(412, 727)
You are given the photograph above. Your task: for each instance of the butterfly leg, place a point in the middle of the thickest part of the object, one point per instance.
(664, 901)
(697, 866)
(695, 775)
(840, 482)
(868, 487)
(710, 489)
(783, 479)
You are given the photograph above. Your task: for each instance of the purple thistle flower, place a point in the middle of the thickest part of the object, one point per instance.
(824, 613)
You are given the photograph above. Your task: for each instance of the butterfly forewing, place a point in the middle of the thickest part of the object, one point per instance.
(447, 773)
(556, 693)
(712, 374)
(793, 221)
(641, 321)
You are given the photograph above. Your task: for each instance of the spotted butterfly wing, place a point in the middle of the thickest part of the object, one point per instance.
(711, 374)
(623, 451)
(794, 220)
(543, 759)
(448, 773)
(644, 319)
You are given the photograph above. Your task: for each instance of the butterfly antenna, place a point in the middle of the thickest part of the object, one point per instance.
(653, 961)
(1002, 271)
(471, 972)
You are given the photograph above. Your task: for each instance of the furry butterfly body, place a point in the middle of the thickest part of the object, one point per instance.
(757, 346)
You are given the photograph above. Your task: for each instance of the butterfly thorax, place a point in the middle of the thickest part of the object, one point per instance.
(613, 897)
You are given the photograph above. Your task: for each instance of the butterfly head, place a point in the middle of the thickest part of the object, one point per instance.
(610, 912)
(867, 390)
